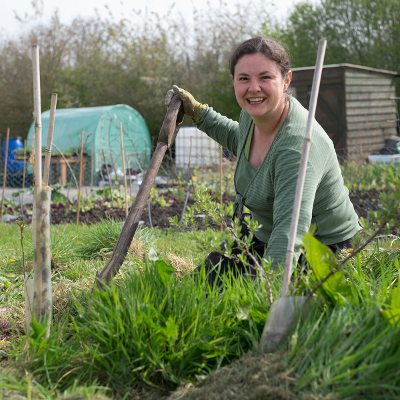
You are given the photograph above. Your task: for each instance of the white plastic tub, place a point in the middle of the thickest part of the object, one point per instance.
(384, 158)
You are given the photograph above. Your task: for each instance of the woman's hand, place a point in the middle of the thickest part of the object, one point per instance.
(191, 106)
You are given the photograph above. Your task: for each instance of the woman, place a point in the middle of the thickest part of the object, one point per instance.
(268, 142)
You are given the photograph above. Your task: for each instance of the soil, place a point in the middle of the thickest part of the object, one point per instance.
(362, 201)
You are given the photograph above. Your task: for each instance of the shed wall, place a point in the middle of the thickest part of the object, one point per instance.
(369, 111)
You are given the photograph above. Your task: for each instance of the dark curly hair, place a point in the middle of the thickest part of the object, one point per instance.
(271, 49)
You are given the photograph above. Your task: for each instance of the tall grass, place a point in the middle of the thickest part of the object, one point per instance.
(353, 349)
(151, 330)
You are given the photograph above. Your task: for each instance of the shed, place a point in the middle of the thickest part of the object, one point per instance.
(355, 106)
(102, 129)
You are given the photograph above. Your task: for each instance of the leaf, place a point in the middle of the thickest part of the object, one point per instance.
(165, 271)
(322, 262)
(171, 330)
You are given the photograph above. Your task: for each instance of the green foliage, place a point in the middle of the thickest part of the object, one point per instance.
(358, 32)
(360, 176)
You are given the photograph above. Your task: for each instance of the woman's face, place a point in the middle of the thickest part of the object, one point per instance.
(259, 86)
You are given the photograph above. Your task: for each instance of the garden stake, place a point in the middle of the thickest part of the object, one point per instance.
(109, 178)
(23, 176)
(92, 162)
(42, 297)
(149, 209)
(283, 311)
(220, 177)
(5, 174)
(80, 179)
(170, 127)
(123, 166)
(47, 157)
(184, 207)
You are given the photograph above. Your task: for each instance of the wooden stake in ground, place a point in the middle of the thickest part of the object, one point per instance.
(123, 166)
(47, 158)
(80, 178)
(5, 174)
(220, 176)
(109, 178)
(42, 299)
(23, 176)
(92, 162)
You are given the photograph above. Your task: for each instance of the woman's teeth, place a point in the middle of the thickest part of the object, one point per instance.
(255, 100)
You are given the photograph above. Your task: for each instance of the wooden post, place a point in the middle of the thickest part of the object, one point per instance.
(109, 178)
(47, 158)
(38, 117)
(23, 176)
(92, 161)
(220, 177)
(80, 178)
(42, 299)
(123, 166)
(5, 174)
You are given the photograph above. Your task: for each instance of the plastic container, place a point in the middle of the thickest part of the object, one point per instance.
(14, 144)
(386, 158)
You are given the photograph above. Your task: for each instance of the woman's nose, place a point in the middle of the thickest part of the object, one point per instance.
(254, 85)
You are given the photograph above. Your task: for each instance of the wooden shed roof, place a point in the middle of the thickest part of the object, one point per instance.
(353, 66)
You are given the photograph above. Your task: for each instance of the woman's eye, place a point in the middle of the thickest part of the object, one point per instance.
(242, 79)
(265, 77)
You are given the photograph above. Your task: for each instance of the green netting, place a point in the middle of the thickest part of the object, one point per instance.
(101, 127)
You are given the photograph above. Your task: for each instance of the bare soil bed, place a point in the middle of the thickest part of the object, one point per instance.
(362, 201)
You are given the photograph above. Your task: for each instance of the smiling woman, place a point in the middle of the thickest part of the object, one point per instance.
(268, 142)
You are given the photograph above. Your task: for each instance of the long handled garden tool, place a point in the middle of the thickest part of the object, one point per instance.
(284, 311)
(170, 127)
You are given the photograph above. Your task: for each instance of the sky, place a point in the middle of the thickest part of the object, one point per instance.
(68, 9)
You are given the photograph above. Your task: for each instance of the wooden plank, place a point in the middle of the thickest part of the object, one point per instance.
(369, 125)
(367, 82)
(390, 132)
(367, 118)
(369, 112)
(383, 133)
(371, 103)
(367, 141)
(381, 95)
(352, 73)
(368, 89)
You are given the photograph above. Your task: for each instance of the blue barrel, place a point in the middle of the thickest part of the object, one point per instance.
(14, 145)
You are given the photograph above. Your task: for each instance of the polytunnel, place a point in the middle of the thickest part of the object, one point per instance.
(101, 127)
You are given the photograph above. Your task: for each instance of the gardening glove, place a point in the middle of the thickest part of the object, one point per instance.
(191, 106)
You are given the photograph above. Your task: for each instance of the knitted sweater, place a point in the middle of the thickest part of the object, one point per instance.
(270, 192)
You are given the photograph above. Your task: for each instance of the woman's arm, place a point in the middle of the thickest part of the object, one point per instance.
(222, 129)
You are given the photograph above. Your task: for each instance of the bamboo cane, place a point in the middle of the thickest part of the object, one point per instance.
(5, 174)
(220, 177)
(109, 178)
(123, 166)
(303, 168)
(23, 176)
(91, 174)
(38, 116)
(42, 299)
(47, 158)
(80, 179)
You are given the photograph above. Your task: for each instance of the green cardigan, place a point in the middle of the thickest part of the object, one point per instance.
(270, 193)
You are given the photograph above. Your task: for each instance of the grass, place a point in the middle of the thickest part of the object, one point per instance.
(156, 327)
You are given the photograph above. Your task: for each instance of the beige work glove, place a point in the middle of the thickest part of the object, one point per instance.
(191, 106)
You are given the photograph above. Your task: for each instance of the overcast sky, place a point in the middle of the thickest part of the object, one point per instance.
(68, 9)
